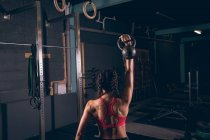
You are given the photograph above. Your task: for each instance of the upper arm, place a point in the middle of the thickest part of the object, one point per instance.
(85, 117)
(129, 81)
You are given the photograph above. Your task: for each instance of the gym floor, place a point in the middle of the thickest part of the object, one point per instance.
(168, 118)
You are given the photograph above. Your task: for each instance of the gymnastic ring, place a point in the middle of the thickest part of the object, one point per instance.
(119, 43)
(85, 10)
(64, 6)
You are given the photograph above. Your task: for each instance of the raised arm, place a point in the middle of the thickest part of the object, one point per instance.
(128, 52)
(129, 81)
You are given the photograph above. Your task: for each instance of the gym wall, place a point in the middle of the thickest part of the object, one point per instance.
(168, 58)
(101, 57)
(17, 113)
(100, 49)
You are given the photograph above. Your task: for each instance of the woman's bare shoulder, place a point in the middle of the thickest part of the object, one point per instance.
(94, 102)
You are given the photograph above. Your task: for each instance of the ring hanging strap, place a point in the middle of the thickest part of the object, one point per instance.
(63, 8)
(85, 9)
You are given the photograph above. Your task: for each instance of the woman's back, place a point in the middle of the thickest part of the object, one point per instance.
(110, 113)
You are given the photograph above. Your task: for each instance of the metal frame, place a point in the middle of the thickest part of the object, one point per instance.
(193, 87)
(39, 42)
(79, 66)
(189, 90)
(182, 63)
(68, 51)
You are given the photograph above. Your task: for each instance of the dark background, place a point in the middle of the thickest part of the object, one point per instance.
(19, 121)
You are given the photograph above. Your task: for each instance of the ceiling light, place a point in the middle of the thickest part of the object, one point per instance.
(6, 17)
(198, 32)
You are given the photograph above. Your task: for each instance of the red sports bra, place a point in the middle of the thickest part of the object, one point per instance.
(121, 120)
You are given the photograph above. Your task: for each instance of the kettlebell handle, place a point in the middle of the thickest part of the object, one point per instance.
(132, 39)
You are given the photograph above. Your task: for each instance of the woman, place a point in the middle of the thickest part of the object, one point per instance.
(111, 110)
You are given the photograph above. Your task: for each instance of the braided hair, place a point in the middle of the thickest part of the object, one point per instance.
(107, 80)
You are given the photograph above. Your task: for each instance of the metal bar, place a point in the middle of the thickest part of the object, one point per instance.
(118, 34)
(183, 29)
(21, 9)
(39, 42)
(73, 57)
(99, 4)
(2, 10)
(155, 55)
(182, 63)
(197, 87)
(29, 45)
(78, 66)
(197, 38)
(83, 72)
(189, 84)
(68, 52)
(17, 44)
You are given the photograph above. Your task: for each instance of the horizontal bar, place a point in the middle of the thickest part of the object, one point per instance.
(29, 45)
(99, 4)
(183, 29)
(197, 38)
(118, 34)
(16, 44)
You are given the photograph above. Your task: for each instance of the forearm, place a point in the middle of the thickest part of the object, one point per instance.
(78, 136)
(129, 65)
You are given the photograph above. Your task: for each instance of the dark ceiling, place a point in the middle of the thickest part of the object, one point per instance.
(162, 14)
(158, 14)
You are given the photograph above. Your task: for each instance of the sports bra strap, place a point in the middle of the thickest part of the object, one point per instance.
(110, 112)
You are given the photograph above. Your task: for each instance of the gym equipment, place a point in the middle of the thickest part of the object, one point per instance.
(128, 52)
(102, 21)
(89, 2)
(127, 46)
(63, 8)
(194, 87)
(33, 87)
(31, 45)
